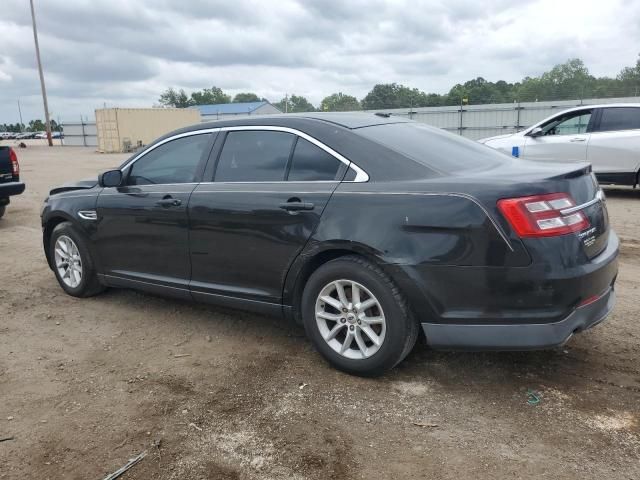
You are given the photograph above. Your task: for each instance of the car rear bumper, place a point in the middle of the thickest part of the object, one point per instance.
(11, 188)
(510, 308)
(519, 336)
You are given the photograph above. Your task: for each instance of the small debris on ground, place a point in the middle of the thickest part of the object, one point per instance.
(6, 439)
(533, 398)
(126, 467)
(302, 385)
(180, 355)
(182, 342)
(193, 425)
(430, 425)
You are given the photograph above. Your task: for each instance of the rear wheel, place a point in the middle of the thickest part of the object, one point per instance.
(356, 317)
(3, 209)
(72, 262)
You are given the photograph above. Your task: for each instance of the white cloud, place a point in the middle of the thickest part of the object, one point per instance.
(125, 53)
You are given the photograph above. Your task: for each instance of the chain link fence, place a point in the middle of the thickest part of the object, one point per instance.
(480, 121)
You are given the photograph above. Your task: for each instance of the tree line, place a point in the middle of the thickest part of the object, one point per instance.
(566, 81)
(33, 126)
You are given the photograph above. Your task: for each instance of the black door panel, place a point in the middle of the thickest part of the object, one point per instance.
(143, 233)
(143, 228)
(243, 241)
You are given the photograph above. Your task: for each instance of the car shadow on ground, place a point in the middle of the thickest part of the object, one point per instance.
(577, 363)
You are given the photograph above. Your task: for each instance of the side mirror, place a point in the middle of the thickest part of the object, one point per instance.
(536, 132)
(112, 178)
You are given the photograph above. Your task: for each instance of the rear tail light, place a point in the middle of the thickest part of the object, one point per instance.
(541, 215)
(15, 166)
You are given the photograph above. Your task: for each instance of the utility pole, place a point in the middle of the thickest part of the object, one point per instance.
(20, 113)
(44, 90)
(286, 103)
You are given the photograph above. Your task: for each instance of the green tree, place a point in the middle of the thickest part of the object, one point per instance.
(339, 102)
(174, 98)
(629, 77)
(392, 95)
(295, 104)
(245, 97)
(208, 96)
(36, 126)
(568, 80)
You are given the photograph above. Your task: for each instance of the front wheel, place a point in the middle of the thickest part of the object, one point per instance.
(3, 209)
(72, 262)
(356, 317)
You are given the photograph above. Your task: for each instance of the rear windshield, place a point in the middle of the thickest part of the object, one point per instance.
(435, 148)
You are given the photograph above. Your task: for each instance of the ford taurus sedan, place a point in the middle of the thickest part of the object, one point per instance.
(364, 228)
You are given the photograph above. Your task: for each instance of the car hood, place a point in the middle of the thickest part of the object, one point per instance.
(497, 137)
(79, 185)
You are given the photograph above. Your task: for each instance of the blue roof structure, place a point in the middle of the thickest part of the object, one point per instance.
(229, 108)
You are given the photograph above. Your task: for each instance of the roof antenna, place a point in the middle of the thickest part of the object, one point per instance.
(382, 114)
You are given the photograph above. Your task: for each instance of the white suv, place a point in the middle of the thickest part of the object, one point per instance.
(607, 136)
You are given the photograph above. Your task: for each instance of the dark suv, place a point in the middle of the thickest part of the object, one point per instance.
(10, 183)
(359, 226)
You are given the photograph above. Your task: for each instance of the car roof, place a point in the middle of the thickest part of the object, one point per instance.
(600, 105)
(349, 120)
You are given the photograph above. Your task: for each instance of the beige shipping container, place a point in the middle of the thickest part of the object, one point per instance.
(125, 129)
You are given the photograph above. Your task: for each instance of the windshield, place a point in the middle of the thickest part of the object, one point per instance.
(435, 148)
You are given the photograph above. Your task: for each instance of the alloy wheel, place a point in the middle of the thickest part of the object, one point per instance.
(350, 319)
(68, 261)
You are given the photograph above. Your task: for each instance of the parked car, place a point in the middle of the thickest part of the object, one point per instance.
(362, 228)
(10, 183)
(607, 136)
(26, 135)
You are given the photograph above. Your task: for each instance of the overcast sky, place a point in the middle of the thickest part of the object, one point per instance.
(125, 52)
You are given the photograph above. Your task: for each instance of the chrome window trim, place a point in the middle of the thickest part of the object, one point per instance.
(166, 140)
(361, 175)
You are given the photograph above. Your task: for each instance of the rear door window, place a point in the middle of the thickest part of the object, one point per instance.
(619, 118)
(254, 156)
(311, 163)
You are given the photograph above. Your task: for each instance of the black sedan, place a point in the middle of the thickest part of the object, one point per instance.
(362, 227)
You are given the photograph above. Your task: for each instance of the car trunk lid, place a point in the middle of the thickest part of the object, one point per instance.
(521, 178)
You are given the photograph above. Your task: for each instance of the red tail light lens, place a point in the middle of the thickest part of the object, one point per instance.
(13, 158)
(541, 215)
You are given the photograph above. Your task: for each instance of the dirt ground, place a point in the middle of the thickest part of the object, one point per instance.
(212, 393)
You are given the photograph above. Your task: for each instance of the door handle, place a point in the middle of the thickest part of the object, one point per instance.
(297, 206)
(169, 202)
(578, 139)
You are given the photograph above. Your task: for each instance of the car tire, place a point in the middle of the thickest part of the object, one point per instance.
(69, 252)
(3, 209)
(328, 327)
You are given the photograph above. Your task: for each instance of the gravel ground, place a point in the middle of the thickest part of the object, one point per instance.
(212, 393)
